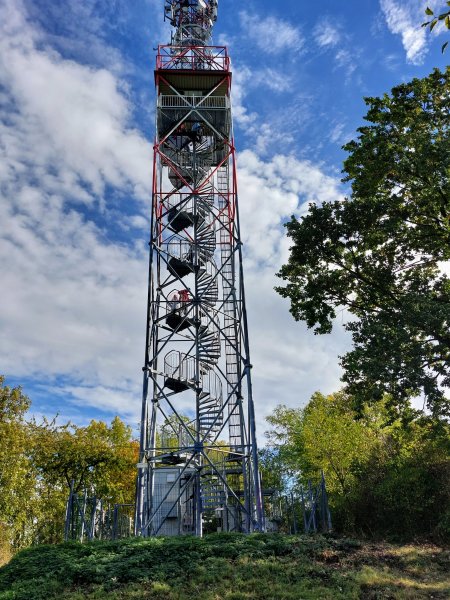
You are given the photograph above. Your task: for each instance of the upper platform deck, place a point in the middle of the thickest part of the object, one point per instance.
(192, 58)
(193, 67)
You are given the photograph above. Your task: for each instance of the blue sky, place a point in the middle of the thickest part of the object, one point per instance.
(76, 118)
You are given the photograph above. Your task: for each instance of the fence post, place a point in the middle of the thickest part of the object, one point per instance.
(305, 520)
(91, 531)
(115, 521)
(327, 514)
(83, 516)
(69, 510)
(293, 514)
(312, 500)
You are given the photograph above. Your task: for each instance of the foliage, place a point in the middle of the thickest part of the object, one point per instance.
(333, 438)
(380, 253)
(273, 469)
(38, 461)
(285, 444)
(385, 475)
(443, 17)
(323, 436)
(226, 567)
(404, 488)
(16, 471)
(96, 456)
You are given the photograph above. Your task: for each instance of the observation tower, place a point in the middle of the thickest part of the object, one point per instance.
(198, 466)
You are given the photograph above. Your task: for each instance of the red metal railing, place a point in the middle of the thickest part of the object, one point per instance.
(193, 58)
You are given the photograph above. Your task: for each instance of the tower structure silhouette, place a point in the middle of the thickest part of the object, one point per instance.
(198, 466)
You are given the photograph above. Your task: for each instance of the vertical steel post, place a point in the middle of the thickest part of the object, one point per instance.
(91, 531)
(293, 513)
(83, 515)
(115, 522)
(327, 514)
(69, 512)
(305, 519)
(312, 499)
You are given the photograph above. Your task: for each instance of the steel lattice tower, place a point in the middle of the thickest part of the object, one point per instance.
(198, 462)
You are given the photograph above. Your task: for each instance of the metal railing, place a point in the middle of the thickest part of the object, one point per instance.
(196, 58)
(88, 518)
(184, 161)
(179, 249)
(173, 440)
(184, 251)
(185, 203)
(179, 366)
(189, 102)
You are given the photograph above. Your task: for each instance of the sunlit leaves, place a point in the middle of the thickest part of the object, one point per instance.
(325, 435)
(38, 461)
(386, 471)
(443, 17)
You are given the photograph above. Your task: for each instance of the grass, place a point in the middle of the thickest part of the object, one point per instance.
(228, 567)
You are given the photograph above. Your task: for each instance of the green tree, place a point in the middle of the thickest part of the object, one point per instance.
(17, 477)
(381, 253)
(443, 18)
(324, 436)
(285, 436)
(97, 456)
(38, 462)
(403, 489)
(386, 474)
(273, 470)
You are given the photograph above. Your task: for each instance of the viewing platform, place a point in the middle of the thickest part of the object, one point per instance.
(193, 68)
(192, 58)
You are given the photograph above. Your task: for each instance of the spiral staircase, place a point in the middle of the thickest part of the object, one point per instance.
(192, 253)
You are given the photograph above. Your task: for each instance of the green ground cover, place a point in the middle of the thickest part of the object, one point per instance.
(228, 567)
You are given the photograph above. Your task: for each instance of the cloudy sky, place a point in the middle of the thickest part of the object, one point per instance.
(76, 118)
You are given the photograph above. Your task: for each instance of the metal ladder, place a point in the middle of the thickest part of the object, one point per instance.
(232, 342)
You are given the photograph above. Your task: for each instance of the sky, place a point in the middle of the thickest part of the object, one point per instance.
(77, 124)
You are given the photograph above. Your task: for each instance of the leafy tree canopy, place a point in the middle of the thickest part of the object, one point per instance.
(382, 253)
(385, 473)
(38, 461)
(16, 486)
(325, 435)
(97, 456)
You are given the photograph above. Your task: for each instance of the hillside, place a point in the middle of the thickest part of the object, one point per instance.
(227, 567)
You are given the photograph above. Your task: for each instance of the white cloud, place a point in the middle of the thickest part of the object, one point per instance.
(74, 115)
(139, 222)
(346, 60)
(326, 35)
(270, 78)
(330, 37)
(274, 190)
(270, 34)
(239, 89)
(405, 18)
(72, 300)
(340, 133)
(392, 61)
(246, 80)
(283, 124)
